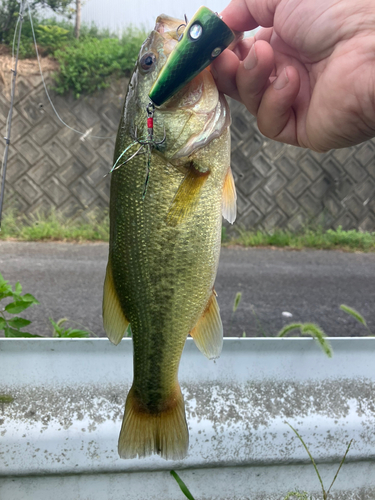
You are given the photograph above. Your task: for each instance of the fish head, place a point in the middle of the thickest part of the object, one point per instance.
(151, 59)
(193, 117)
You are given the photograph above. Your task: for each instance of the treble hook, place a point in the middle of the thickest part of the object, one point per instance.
(179, 37)
(151, 141)
(145, 145)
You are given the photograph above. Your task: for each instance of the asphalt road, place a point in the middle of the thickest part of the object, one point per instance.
(67, 279)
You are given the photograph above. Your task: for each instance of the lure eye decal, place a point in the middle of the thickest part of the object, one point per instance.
(147, 62)
(195, 31)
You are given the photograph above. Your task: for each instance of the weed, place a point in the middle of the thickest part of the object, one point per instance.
(182, 485)
(224, 235)
(68, 333)
(355, 314)
(301, 495)
(236, 303)
(6, 399)
(54, 227)
(12, 326)
(325, 493)
(316, 237)
(309, 329)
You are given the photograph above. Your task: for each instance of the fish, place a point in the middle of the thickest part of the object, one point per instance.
(165, 243)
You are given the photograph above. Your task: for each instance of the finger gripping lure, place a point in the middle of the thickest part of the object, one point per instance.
(205, 37)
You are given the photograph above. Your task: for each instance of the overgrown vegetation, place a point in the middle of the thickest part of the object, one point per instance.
(9, 14)
(317, 237)
(85, 64)
(55, 227)
(95, 227)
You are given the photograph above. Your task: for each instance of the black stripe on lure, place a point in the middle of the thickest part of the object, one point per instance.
(204, 38)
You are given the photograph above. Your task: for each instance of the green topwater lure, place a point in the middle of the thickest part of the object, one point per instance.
(205, 37)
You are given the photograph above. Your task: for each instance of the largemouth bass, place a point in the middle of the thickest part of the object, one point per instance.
(165, 243)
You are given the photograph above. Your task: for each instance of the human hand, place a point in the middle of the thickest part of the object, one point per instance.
(309, 74)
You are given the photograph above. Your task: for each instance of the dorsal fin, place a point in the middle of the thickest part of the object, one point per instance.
(229, 198)
(208, 332)
(114, 321)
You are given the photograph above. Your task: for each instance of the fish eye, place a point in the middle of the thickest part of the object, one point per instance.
(147, 61)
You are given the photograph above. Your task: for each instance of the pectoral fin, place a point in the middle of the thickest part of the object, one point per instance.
(114, 321)
(187, 197)
(229, 198)
(208, 332)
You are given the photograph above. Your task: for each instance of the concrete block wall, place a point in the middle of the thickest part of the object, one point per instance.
(278, 185)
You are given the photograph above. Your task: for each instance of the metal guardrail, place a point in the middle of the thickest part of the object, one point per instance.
(58, 438)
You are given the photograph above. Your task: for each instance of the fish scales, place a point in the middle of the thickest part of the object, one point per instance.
(162, 267)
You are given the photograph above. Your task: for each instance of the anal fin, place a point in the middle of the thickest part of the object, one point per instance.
(114, 321)
(208, 332)
(229, 209)
(187, 197)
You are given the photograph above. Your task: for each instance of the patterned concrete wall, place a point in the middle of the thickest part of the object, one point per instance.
(278, 185)
(284, 186)
(49, 165)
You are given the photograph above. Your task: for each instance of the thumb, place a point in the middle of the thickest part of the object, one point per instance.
(245, 15)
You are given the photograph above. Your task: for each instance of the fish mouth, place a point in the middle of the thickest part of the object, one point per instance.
(167, 27)
(200, 98)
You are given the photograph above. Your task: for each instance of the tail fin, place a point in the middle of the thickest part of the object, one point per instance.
(144, 433)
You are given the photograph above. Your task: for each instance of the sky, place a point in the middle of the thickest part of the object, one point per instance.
(117, 14)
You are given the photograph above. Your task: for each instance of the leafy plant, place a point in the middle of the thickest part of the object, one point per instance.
(51, 37)
(309, 329)
(12, 326)
(86, 64)
(325, 493)
(355, 314)
(59, 331)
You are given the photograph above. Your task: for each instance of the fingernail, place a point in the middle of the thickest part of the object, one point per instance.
(214, 72)
(281, 81)
(251, 59)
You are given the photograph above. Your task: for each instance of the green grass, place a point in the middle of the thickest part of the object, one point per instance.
(317, 238)
(54, 227)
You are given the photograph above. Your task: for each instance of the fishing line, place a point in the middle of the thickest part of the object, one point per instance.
(46, 90)
(11, 79)
(10, 114)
